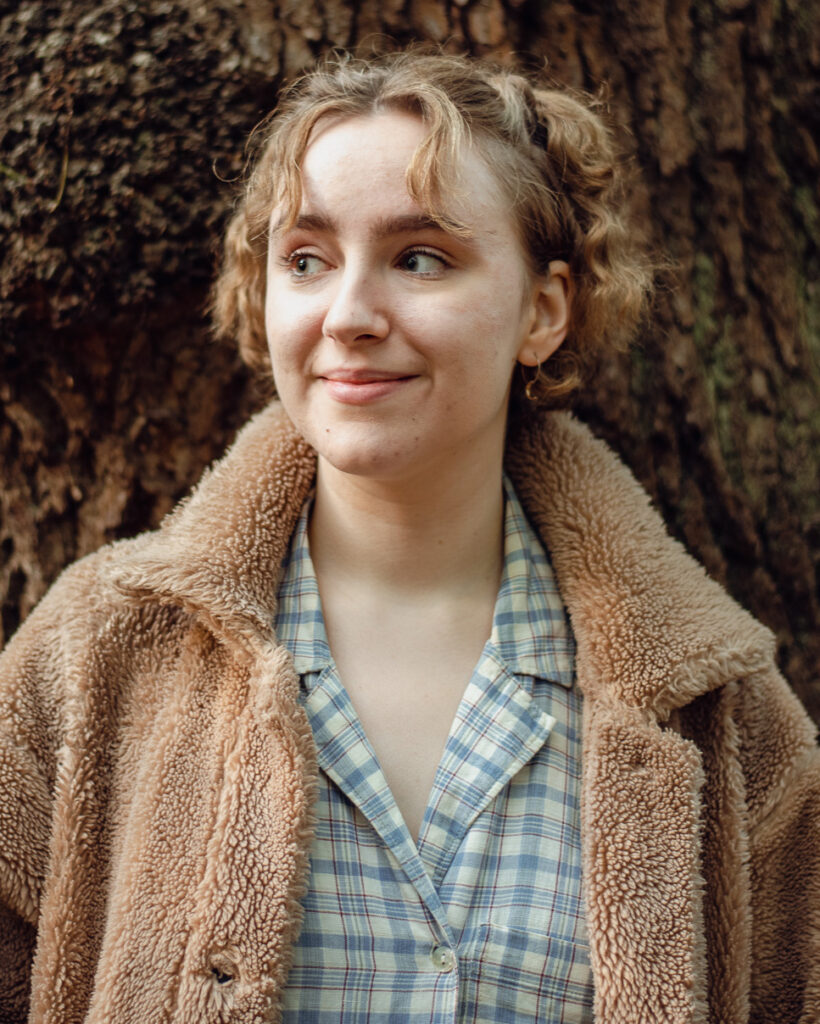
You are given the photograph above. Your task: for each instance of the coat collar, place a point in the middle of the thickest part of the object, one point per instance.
(219, 553)
(653, 631)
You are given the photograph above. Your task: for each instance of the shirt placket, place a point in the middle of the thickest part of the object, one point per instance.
(498, 728)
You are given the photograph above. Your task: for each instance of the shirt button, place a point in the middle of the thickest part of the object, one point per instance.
(443, 958)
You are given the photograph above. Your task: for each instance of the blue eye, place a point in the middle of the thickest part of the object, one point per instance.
(421, 262)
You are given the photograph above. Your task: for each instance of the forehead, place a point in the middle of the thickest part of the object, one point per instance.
(362, 162)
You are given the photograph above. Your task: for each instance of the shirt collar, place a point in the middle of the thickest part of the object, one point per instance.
(530, 632)
(300, 625)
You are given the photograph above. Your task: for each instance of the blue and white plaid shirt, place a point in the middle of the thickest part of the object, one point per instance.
(482, 922)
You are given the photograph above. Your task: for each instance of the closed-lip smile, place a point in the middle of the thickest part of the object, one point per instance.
(363, 386)
(363, 376)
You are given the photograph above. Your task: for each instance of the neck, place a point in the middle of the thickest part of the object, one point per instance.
(440, 535)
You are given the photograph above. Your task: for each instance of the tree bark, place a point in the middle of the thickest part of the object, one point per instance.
(123, 127)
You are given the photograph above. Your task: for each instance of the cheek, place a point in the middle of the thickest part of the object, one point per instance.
(291, 333)
(482, 343)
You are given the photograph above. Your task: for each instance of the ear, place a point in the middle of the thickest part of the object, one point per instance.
(551, 303)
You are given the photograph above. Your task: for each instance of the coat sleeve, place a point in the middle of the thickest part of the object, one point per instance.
(32, 685)
(781, 763)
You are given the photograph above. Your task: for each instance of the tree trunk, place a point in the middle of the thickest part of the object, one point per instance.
(123, 124)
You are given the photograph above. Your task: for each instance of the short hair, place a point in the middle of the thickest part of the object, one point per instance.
(551, 152)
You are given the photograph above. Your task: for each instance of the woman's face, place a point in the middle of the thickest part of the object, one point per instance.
(393, 342)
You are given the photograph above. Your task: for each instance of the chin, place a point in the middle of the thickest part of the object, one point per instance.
(365, 453)
(371, 465)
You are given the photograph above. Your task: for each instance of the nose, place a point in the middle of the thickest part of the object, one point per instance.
(357, 313)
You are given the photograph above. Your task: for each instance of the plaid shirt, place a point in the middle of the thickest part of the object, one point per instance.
(482, 922)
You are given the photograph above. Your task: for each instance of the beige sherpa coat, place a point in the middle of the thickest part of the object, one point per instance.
(156, 771)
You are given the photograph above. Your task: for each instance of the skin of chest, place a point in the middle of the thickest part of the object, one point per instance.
(405, 669)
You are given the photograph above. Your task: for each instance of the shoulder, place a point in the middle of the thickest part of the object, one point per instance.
(82, 597)
(203, 551)
(84, 637)
(653, 624)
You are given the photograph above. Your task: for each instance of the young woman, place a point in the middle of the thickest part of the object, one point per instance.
(412, 711)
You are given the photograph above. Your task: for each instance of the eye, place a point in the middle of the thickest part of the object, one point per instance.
(303, 264)
(422, 262)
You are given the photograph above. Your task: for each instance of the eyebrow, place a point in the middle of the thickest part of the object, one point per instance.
(382, 228)
(312, 221)
(398, 225)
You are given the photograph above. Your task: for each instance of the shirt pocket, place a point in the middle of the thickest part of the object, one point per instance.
(516, 976)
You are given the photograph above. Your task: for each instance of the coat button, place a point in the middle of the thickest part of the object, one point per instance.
(443, 958)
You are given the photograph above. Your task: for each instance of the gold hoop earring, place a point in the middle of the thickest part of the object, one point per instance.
(531, 384)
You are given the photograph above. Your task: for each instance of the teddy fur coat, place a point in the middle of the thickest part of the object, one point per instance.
(157, 771)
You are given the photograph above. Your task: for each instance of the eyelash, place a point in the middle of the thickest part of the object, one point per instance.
(288, 261)
(421, 251)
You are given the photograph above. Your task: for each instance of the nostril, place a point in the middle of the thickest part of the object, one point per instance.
(221, 977)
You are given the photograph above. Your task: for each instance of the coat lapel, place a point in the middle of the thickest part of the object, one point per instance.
(640, 819)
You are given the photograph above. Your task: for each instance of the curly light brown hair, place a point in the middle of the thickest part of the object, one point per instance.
(550, 151)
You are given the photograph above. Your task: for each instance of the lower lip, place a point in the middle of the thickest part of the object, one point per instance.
(361, 392)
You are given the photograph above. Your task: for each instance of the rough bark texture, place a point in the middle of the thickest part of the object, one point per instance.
(115, 114)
